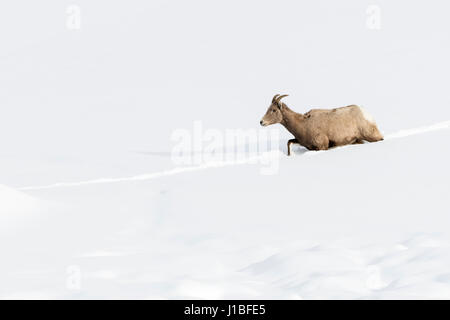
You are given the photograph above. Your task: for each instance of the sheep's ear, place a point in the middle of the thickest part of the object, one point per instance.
(280, 105)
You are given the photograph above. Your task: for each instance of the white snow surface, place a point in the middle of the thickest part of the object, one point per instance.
(92, 207)
(16, 209)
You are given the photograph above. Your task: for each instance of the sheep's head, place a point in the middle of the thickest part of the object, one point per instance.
(273, 114)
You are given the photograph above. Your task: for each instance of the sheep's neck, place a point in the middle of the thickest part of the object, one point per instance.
(292, 121)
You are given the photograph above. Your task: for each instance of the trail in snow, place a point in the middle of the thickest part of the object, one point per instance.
(155, 175)
(411, 132)
(219, 164)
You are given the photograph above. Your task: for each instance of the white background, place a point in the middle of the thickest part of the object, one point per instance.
(365, 221)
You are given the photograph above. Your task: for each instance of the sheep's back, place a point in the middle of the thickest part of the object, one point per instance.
(339, 124)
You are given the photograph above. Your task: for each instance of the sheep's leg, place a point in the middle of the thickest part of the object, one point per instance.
(374, 138)
(321, 142)
(373, 134)
(289, 145)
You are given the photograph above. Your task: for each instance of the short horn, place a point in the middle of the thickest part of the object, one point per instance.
(281, 97)
(275, 98)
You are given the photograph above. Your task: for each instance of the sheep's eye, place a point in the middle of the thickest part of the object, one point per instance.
(273, 110)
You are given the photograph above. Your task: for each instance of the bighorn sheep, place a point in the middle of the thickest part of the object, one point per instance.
(320, 129)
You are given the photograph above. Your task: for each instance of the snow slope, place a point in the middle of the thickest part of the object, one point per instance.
(17, 209)
(371, 225)
(92, 205)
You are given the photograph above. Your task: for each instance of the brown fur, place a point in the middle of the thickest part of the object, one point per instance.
(320, 129)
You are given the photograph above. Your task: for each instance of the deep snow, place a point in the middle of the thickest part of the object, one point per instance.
(371, 225)
(92, 206)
